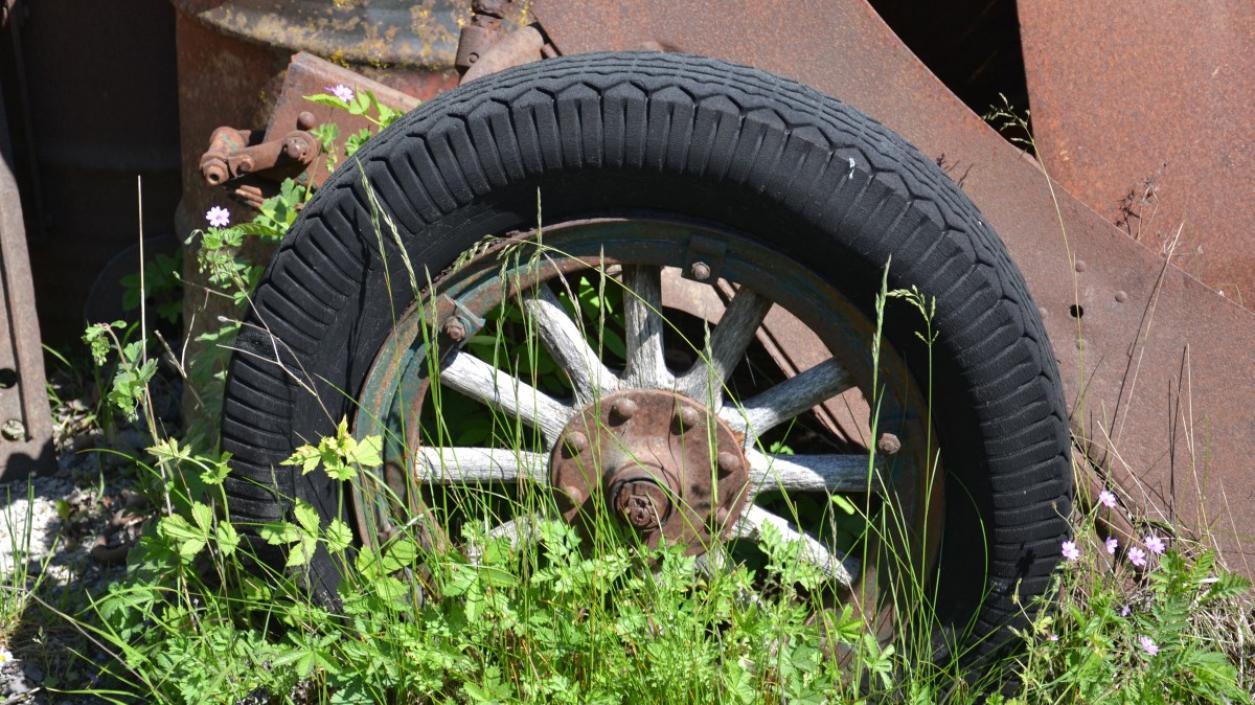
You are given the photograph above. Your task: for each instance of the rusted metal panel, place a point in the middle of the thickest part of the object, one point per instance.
(1142, 111)
(1159, 369)
(376, 32)
(228, 77)
(25, 420)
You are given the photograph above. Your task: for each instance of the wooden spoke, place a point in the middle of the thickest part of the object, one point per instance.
(517, 531)
(766, 410)
(728, 343)
(470, 465)
(754, 518)
(811, 473)
(566, 342)
(477, 379)
(642, 307)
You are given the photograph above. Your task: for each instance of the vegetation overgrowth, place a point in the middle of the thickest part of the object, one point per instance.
(565, 616)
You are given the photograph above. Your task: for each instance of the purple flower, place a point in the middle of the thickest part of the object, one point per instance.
(1053, 637)
(1126, 611)
(1070, 551)
(341, 91)
(1156, 545)
(1137, 557)
(218, 217)
(1112, 544)
(1107, 498)
(1148, 645)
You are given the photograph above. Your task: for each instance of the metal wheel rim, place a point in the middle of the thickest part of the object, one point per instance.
(658, 242)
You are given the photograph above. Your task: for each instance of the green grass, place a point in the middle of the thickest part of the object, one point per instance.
(591, 616)
(570, 616)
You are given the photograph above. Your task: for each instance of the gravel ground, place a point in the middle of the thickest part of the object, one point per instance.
(70, 531)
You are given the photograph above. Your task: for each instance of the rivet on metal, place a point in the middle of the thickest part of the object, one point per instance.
(576, 441)
(455, 329)
(699, 271)
(1121, 297)
(1080, 265)
(624, 408)
(575, 494)
(888, 444)
(688, 417)
(728, 462)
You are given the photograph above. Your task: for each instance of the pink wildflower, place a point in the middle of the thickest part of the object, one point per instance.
(1112, 544)
(1107, 498)
(1053, 637)
(1148, 645)
(1070, 551)
(341, 91)
(1137, 557)
(1126, 611)
(1156, 545)
(218, 217)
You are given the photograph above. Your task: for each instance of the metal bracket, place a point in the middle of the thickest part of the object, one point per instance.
(703, 261)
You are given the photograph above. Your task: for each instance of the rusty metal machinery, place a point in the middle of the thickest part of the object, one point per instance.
(25, 422)
(1159, 367)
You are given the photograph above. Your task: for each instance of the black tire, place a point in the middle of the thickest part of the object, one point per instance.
(696, 138)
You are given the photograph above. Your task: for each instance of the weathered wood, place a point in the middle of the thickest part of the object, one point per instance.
(766, 410)
(810, 473)
(470, 465)
(477, 379)
(728, 343)
(642, 313)
(569, 348)
(754, 518)
(517, 531)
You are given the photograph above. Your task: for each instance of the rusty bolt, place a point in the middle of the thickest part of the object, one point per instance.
(699, 271)
(624, 408)
(573, 493)
(888, 444)
(306, 121)
(1121, 297)
(455, 329)
(688, 417)
(728, 462)
(721, 515)
(1080, 265)
(576, 441)
(295, 148)
(13, 430)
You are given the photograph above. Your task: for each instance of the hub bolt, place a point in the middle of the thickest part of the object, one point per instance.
(624, 408)
(888, 444)
(688, 418)
(454, 328)
(576, 441)
(728, 462)
(700, 271)
(573, 493)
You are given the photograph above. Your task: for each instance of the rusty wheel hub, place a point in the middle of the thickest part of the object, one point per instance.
(662, 463)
